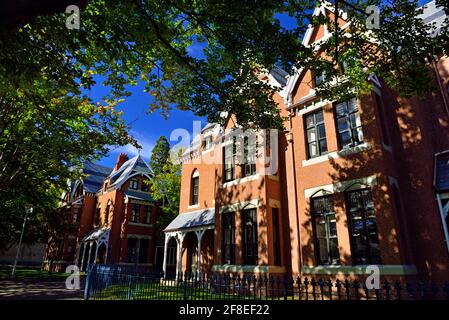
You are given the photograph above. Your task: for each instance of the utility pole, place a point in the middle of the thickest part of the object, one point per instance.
(28, 209)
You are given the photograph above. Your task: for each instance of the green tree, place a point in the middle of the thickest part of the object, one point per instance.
(160, 155)
(166, 188)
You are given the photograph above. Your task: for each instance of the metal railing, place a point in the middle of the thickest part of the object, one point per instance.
(121, 283)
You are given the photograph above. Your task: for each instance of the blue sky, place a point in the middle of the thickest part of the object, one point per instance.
(147, 128)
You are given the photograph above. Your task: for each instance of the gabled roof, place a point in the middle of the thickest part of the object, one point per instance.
(129, 168)
(278, 77)
(96, 175)
(297, 73)
(93, 182)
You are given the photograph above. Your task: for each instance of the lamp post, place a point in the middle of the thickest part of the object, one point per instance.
(28, 210)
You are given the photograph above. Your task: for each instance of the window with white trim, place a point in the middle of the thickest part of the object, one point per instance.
(363, 227)
(195, 186)
(133, 184)
(315, 134)
(349, 125)
(325, 229)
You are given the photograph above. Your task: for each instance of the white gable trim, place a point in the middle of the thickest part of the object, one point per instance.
(292, 81)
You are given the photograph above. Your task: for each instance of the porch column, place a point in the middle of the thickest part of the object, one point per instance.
(106, 253)
(444, 211)
(96, 252)
(164, 263)
(90, 252)
(77, 255)
(179, 241)
(199, 236)
(82, 258)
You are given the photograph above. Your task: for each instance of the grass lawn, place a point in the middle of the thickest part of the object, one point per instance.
(23, 273)
(156, 291)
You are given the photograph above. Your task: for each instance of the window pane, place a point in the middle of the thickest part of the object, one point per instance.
(358, 228)
(321, 131)
(371, 226)
(341, 109)
(319, 117)
(332, 227)
(311, 135)
(313, 152)
(342, 124)
(334, 254)
(360, 250)
(324, 253)
(309, 121)
(345, 139)
(320, 227)
(352, 105)
(323, 146)
(358, 135)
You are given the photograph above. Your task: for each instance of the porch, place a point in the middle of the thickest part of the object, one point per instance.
(194, 225)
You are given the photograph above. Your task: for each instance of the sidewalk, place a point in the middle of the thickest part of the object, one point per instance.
(39, 289)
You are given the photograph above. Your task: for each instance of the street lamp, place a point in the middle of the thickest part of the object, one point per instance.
(28, 210)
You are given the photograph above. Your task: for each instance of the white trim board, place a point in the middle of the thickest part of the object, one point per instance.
(337, 154)
(255, 203)
(341, 186)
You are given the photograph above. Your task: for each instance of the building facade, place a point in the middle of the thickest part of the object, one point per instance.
(348, 184)
(115, 218)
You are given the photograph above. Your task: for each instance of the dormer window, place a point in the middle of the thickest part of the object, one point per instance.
(133, 184)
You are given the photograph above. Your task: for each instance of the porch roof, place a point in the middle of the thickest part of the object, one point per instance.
(190, 220)
(97, 235)
(142, 196)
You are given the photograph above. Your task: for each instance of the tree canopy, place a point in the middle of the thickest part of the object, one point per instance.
(49, 124)
(160, 155)
(166, 181)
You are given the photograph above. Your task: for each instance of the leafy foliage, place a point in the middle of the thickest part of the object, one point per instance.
(397, 51)
(160, 155)
(166, 186)
(48, 124)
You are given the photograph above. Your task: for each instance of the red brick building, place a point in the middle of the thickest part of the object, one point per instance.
(115, 214)
(355, 183)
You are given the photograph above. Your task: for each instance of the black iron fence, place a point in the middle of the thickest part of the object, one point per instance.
(120, 283)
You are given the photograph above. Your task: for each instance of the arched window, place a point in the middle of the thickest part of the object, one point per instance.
(195, 184)
(363, 226)
(325, 228)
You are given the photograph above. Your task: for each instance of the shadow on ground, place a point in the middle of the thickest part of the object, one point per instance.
(39, 289)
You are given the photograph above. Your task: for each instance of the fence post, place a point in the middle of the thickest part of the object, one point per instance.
(129, 287)
(398, 288)
(338, 286)
(88, 284)
(185, 286)
(329, 285)
(285, 287)
(446, 289)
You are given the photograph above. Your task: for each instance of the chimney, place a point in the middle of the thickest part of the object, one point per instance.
(121, 159)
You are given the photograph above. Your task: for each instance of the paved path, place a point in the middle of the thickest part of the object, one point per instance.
(38, 289)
